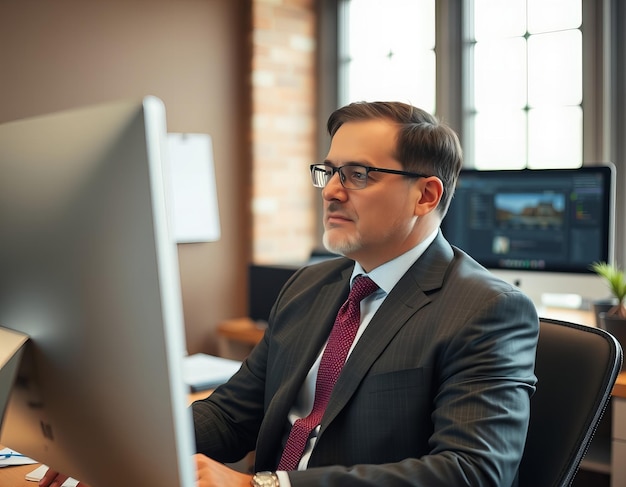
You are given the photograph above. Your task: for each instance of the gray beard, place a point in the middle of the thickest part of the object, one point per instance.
(344, 247)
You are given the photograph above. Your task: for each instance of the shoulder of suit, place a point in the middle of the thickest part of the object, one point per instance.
(330, 270)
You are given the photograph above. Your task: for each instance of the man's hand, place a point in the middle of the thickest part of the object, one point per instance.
(215, 474)
(55, 479)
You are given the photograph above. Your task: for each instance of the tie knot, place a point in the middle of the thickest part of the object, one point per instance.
(362, 287)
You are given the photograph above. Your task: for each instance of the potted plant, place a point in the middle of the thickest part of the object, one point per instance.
(614, 319)
(615, 279)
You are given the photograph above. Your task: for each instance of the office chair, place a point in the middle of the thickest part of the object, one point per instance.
(576, 368)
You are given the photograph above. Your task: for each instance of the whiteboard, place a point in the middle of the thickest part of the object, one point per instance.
(195, 214)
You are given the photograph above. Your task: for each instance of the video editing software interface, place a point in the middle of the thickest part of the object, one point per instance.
(545, 220)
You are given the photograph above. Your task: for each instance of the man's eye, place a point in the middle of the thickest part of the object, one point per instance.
(358, 174)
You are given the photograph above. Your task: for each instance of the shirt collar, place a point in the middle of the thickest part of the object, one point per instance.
(388, 274)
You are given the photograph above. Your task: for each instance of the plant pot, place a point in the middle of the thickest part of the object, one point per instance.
(616, 326)
(602, 306)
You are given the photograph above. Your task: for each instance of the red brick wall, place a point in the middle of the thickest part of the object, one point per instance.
(283, 129)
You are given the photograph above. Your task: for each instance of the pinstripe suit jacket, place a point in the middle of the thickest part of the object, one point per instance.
(435, 393)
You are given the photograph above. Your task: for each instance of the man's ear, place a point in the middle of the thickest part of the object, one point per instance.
(431, 193)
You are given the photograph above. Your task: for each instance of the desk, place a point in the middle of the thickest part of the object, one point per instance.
(16, 476)
(236, 337)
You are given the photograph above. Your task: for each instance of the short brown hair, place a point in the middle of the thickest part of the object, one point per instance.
(424, 144)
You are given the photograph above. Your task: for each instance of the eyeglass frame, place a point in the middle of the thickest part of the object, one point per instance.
(368, 169)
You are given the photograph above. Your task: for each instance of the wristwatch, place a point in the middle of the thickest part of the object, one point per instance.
(264, 479)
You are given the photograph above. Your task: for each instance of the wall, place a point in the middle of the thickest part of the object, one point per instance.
(194, 55)
(283, 130)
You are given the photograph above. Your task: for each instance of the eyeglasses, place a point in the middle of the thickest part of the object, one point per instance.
(352, 176)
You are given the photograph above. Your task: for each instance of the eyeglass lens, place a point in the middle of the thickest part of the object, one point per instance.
(352, 176)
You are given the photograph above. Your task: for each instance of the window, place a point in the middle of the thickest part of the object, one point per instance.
(387, 51)
(525, 95)
(522, 75)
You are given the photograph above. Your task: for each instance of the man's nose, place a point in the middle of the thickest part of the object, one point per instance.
(333, 188)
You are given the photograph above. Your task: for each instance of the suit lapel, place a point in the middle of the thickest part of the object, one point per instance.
(314, 331)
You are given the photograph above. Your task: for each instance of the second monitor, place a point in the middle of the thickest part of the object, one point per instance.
(539, 229)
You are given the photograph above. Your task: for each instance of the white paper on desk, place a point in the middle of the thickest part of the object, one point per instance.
(202, 371)
(13, 458)
(37, 474)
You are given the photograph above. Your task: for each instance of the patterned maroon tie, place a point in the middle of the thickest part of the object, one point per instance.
(333, 358)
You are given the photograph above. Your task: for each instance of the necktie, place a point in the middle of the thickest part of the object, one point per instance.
(334, 356)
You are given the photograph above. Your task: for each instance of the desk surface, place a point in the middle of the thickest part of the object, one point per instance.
(620, 385)
(16, 476)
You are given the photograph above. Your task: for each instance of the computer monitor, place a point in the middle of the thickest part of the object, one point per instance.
(538, 229)
(89, 274)
(264, 283)
(266, 280)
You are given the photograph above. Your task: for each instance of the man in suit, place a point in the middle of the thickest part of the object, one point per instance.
(436, 388)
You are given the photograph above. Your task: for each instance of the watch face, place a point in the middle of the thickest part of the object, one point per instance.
(265, 479)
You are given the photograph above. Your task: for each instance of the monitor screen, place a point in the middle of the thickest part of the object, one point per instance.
(534, 221)
(264, 284)
(90, 276)
(266, 280)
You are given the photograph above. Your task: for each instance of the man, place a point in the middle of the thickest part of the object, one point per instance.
(437, 384)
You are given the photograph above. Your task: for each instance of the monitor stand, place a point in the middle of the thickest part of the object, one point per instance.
(557, 290)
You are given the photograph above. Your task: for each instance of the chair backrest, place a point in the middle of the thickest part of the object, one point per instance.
(576, 368)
